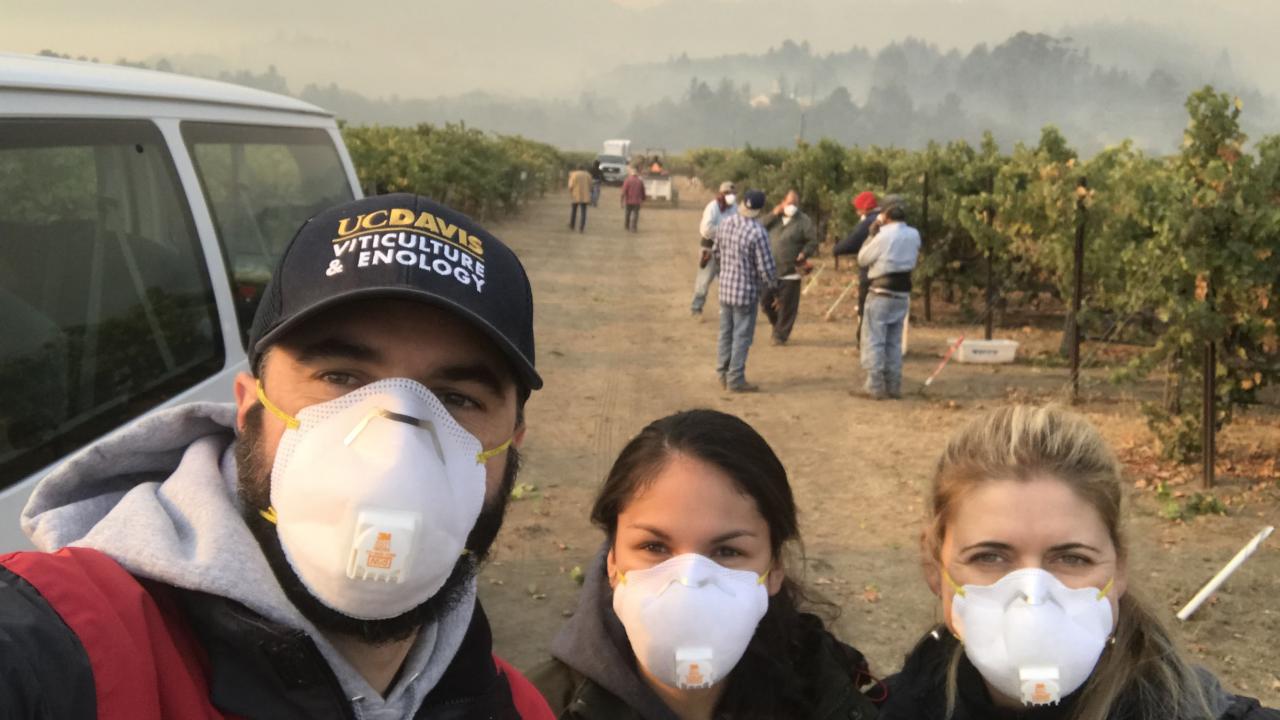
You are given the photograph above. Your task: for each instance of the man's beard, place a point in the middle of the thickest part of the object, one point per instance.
(254, 489)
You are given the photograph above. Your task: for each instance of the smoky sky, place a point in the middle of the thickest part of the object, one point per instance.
(552, 48)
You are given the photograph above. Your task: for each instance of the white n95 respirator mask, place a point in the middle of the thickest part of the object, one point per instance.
(1029, 635)
(373, 495)
(690, 619)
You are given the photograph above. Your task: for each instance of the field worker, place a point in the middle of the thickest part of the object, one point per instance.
(597, 179)
(889, 257)
(721, 206)
(579, 196)
(1024, 546)
(632, 198)
(311, 550)
(867, 206)
(689, 610)
(794, 239)
(746, 271)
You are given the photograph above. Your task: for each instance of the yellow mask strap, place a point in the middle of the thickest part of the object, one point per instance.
(290, 421)
(1106, 590)
(485, 456)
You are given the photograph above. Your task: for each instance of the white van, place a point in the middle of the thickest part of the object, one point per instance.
(141, 214)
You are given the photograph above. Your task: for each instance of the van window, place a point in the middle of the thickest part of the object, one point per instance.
(261, 184)
(105, 300)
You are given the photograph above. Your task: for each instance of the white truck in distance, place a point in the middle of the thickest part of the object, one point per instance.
(613, 161)
(617, 147)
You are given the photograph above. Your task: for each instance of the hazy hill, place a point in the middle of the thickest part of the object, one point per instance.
(1099, 83)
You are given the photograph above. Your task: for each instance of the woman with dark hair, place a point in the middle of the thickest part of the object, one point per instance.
(688, 612)
(1025, 548)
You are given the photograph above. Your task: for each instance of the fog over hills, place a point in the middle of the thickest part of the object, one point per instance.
(1095, 89)
(1100, 83)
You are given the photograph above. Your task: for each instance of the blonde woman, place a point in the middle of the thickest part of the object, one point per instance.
(1025, 548)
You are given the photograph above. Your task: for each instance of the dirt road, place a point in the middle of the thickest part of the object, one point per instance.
(617, 349)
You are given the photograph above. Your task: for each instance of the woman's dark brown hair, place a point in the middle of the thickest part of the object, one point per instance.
(771, 679)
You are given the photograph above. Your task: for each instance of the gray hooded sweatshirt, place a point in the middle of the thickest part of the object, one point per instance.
(159, 497)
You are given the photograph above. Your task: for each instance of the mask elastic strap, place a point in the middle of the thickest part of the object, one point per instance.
(290, 421)
(947, 576)
(486, 455)
(1106, 590)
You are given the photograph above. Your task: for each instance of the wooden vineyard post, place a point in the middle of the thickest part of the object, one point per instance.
(1082, 191)
(989, 214)
(1210, 412)
(991, 292)
(924, 245)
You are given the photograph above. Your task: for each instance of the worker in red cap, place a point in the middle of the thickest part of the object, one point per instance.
(868, 207)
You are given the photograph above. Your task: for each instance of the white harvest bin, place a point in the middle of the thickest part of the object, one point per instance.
(987, 351)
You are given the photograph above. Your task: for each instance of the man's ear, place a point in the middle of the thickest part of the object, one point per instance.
(518, 438)
(246, 392)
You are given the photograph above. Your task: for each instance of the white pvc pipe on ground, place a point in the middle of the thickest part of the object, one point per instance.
(1250, 548)
(813, 280)
(836, 304)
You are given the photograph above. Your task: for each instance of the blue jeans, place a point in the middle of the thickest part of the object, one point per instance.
(882, 343)
(595, 193)
(706, 276)
(737, 330)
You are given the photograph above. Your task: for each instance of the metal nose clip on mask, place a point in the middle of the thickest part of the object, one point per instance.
(1029, 635)
(689, 619)
(373, 495)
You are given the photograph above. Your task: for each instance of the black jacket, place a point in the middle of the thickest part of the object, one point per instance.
(593, 675)
(188, 654)
(918, 692)
(852, 242)
(261, 670)
(574, 696)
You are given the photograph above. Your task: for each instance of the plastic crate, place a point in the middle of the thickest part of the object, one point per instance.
(987, 351)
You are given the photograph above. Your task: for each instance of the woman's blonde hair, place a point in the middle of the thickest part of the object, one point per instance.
(1022, 442)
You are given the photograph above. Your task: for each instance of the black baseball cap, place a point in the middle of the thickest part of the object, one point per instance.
(401, 246)
(752, 202)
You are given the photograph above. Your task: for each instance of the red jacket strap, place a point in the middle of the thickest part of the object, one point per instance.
(528, 701)
(146, 663)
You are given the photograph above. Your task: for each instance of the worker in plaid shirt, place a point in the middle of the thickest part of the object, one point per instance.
(746, 268)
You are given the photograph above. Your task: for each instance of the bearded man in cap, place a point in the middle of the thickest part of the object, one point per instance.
(310, 550)
(720, 207)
